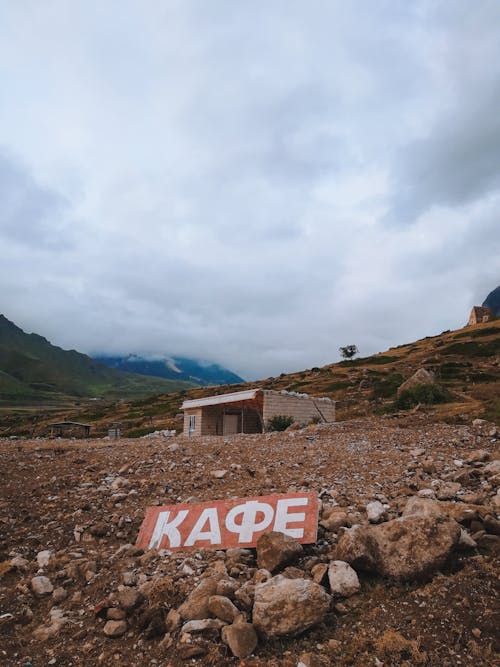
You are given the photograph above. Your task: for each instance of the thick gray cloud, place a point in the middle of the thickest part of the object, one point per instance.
(250, 183)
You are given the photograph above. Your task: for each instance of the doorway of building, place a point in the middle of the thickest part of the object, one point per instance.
(230, 424)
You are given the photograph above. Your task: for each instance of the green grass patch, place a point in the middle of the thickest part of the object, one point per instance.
(428, 394)
(473, 348)
(478, 333)
(483, 377)
(334, 386)
(387, 387)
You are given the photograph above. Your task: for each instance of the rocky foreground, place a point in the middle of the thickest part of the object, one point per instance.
(404, 571)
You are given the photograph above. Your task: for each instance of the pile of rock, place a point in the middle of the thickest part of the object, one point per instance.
(288, 591)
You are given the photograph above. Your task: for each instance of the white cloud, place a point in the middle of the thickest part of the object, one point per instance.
(252, 183)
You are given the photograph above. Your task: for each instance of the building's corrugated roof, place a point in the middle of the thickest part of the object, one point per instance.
(235, 397)
(69, 424)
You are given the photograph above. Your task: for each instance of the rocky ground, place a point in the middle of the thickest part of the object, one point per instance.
(404, 571)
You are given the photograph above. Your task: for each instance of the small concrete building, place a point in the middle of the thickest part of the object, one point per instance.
(250, 411)
(479, 314)
(69, 430)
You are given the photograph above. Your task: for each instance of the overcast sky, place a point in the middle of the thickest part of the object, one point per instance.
(252, 183)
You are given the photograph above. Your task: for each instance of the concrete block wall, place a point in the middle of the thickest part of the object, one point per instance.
(302, 408)
(197, 413)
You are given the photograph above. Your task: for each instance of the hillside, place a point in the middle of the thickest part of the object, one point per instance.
(33, 370)
(173, 368)
(466, 362)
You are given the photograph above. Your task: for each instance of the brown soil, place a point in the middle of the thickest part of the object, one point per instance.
(57, 495)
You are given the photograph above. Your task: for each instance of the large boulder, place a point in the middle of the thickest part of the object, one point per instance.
(422, 376)
(288, 606)
(275, 549)
(411, 547)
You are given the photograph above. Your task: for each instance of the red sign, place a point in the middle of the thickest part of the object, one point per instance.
(222, 524)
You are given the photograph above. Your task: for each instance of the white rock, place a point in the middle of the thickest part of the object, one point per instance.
(41, 586)
(43, 558)
(218, 474)
(375, 511)
(343, 579)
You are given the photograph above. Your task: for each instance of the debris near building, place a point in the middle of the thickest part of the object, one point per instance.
(252, 411)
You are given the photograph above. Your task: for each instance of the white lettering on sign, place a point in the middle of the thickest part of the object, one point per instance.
(229, 523)
(283, 518)
(249, 525)
(213, 534)
(169, 528)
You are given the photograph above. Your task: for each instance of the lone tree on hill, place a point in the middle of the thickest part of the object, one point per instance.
(349, 351)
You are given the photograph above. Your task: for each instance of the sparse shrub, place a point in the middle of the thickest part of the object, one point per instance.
(422, 393)
(280, 422)
(315, 420)
(388, 386)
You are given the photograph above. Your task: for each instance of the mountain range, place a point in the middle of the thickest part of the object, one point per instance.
(173, 368)
(34, 370)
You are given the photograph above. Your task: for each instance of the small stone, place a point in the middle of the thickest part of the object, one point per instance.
(115, 614)
(115, 628)
(319, 572)
(210, 626)
(335, 520)
(196, 605)
(417, 451)
(448, 490)
(466, 540)
(129, 578)
(43, 558)
(129, 599)
(375, 511)
(241, 639)
(19, 563)
(59, 594)
(173, 620)
(492, 468)
(478, 456)
(187, 651)
(476, 632)
(227, 587)
(218, 474)
(275, 549)
(343, 579)
(41, 586)
(222, 608)
(309, 660)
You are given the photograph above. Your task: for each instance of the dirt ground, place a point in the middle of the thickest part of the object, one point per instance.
(84, 501)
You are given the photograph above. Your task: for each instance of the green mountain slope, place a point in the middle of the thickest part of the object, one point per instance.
(33, 369)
